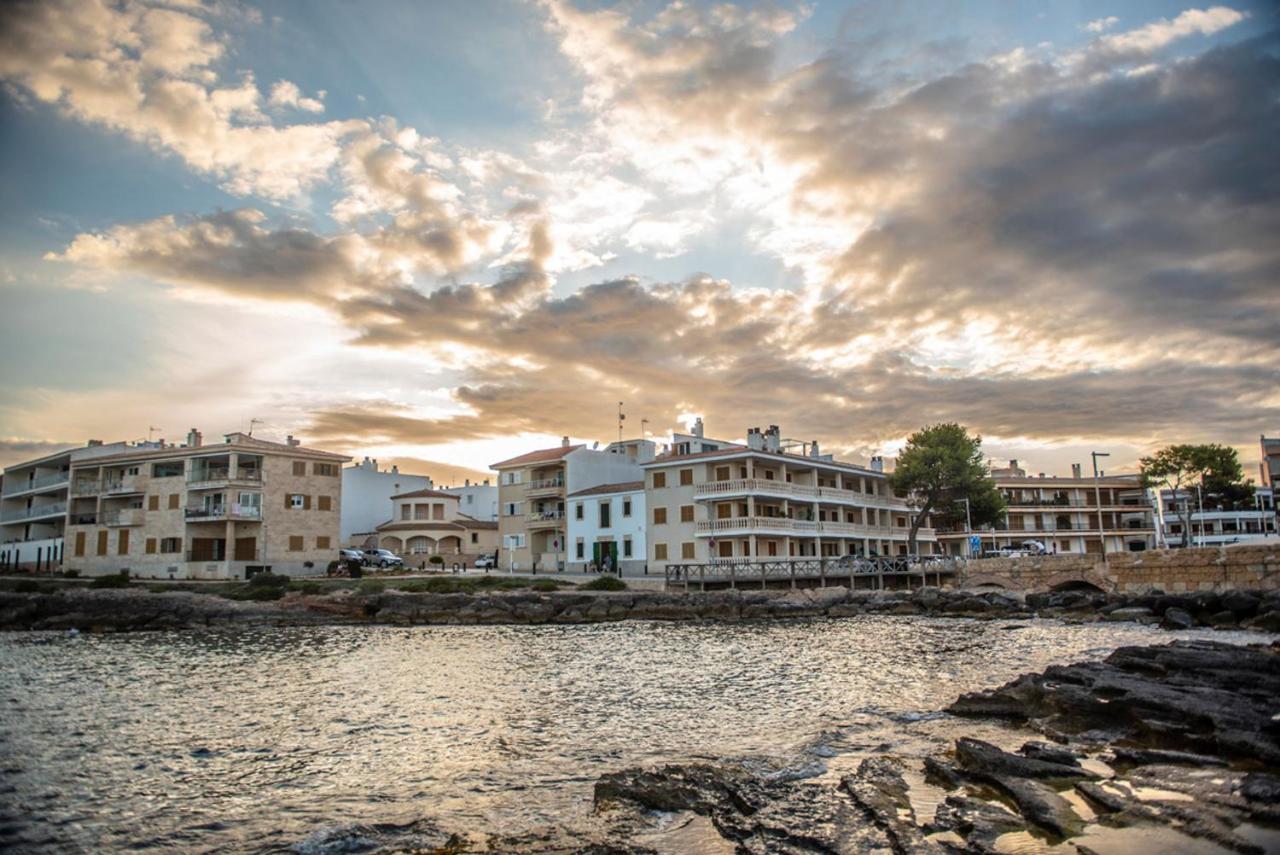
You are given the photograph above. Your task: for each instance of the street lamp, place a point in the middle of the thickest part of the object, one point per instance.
(1097, 497)
(968, 524)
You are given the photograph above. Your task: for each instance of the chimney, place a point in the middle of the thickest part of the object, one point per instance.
(773, 439)
(697, 427)
(466, 482)
(395, 469)
(94, 443)
(486, 482)
(1075, 470)
(877, 464)
(564, 442)
(813, 450)
(1013, 463)
(291, 442)
(194, 438)
(755, 440)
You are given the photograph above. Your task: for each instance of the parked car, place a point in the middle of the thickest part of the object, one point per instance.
(382, 558)
(345, 555)
(486, 562)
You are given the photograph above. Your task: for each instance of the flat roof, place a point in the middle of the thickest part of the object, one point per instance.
(740, 451)
(603, 489)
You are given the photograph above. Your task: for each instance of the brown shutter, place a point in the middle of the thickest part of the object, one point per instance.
(79, 544)
(306, 503)
(122, 542)
(288, 501)
(151, 546)
(173, 501)
(153, 503)
(102, 542)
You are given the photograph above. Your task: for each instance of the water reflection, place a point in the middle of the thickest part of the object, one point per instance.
(257, 738)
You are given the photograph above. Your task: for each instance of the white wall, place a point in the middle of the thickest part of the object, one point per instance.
(586, 468)
(588, 528)
(479, 501)
(366, 496)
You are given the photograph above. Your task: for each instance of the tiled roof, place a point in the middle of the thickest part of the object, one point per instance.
(601, 489)
(544, 455)
(424, 494)
(461, 524)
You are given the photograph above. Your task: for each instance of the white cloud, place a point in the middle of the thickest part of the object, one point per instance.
(1101, 24)
(287, 94)
(1158, 34)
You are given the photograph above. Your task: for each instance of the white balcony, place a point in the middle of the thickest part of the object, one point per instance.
(741, 487)
(544, 519)
(44, 482)
(802, 528)
(55, 509)
(217, 513)
(222, 476)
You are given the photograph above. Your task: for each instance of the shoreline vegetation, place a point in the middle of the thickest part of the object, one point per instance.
(120, 605)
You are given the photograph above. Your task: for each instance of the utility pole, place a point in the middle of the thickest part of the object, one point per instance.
(621, 418)
(1097, 497)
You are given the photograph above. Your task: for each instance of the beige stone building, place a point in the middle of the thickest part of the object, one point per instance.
(760, 502)
(218, 511)
(430, 522)
(1065, 514)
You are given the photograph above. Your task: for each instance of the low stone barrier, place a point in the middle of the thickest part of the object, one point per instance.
(1170, 570)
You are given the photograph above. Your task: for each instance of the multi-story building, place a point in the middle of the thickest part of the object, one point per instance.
(33, 505)
(479, 501)
(532, 491)
(1269, 467)
(366, 495)
(1078, 514)
(761, 501)
(430, 522)
(223, 511)
(1215, 522)
(606, 528)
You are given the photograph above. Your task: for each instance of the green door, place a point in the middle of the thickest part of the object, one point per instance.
(605, 555)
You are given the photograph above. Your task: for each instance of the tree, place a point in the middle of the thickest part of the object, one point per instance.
(1213, 468)
(940, 466)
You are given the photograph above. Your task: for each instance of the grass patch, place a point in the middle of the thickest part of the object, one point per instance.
(308, 587)
(115, 580)
(476, 584)
(371, 586)
(605, 583)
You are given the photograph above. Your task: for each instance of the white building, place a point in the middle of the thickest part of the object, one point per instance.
(367, 492)
(606, 528)
(478, 501)
(1219, 523)
(33, 504)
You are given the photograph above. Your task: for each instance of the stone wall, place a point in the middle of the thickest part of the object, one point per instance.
(1169, 570)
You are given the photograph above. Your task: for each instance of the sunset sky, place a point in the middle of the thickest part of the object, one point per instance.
(446, 233)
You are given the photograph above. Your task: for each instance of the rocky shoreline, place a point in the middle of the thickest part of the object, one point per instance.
(135, 609)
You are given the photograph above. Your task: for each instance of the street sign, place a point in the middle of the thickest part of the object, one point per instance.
(975, 544)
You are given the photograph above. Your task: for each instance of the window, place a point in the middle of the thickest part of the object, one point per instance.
(169, 545)
(132, 470)
(626, 507)
(295, 543)
(322, 542)
(686, 550)
(405, 511)
(606, 509)
(511, 509)
(659, 516)
(167, 469)
(686, 513)
(153, 503)
(578, 549)
(173, 501)
(297, 502)
(102, 543)
(659, 479)
(471, 499)
(659, 552)
(329, 470)
(324, 503)
(151, 546)
(626, 546)
(722, 473)
(510, 478)
(475, 537)
(437, 511)
(686, 477)
(299, 468)
(122, 542)
(513, 541)
(577, 510)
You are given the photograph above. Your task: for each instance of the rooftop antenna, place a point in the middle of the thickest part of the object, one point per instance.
(253, 422)
(644, 428)
(621, 418)
(150, 431)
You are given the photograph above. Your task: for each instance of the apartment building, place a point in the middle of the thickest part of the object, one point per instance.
(1215, 522)
(34, 497)
(606, 528)
(430, 522)
(533, 489)
(479, 501)
(367, 492)
(220, 511)
(1078, 514)
(1269, 467)
(764, 501)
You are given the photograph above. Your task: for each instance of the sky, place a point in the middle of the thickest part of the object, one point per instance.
(446, 233)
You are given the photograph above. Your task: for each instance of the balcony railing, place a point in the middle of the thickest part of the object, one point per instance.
(50, 510)
(123, 517)
(789, 525)
(223, 512)
(220, 554)
(84, 519)
(120, 485)
(545, 485)
(786, 489)
(86, 487)
(54, 480)
(545, 517)
(223, 474)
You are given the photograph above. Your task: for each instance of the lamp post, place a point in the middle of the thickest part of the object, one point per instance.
(1200, 504)
(968, 523)
(1097, 497)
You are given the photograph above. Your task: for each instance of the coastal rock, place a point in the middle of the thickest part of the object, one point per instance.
(1176, 618)
(985, 760)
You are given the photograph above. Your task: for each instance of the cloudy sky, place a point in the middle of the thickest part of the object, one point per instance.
(451, 232)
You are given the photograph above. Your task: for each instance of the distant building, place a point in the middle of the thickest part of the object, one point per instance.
(763, 501)
(1077, 514)
(367, 493)
(34, 498)
(1269, 467)
(606, 528)
(477, 500)
(429, 522)
(532, 489)
(195, 511)
(1219, 523)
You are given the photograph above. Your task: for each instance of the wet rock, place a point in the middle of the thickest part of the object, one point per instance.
(1176, 618)
(1050, 753)
(979, 822)
(1041, 805)
(1222, 620)
(1154, 756)
(985, 760)
(1265, 622)
(1138, 614)
(879, 789)
(1242, 604)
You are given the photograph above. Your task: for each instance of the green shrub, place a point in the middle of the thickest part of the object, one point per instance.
(269, 580)
(27, 586)
(605, 583)
(71, 574)
(115, 580)
(436, 559)
(371, 586)
(260, 593)
(333, 567)
(308, 588)
(545, 585)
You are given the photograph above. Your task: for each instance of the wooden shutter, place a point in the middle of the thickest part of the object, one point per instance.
(306, 503)
(288, 501)
(325, 502)
(122, 542)
(102, 542)
(153, 503)
(79, 544)
(173, 501)
(151, 546)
